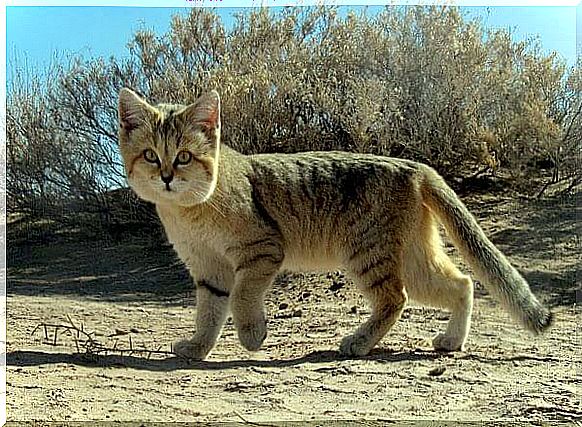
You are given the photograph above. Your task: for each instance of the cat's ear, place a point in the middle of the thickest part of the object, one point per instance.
(133, 110)
(205, 112)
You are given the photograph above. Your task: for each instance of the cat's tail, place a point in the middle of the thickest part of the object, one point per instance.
(488, 263)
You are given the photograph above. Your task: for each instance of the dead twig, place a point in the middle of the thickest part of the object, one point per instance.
(244, 420)
(86, 344)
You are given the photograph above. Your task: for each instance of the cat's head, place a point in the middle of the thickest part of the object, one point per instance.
(170, 151)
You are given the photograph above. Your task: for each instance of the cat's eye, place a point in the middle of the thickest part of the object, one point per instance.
(150, 156)
(183, 158)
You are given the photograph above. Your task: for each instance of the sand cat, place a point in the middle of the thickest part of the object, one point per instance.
(237, 220)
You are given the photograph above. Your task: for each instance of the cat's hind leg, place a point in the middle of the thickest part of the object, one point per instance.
(455, 293)
(434, 280)
(380, 281)
(211, 312)
(446, 287)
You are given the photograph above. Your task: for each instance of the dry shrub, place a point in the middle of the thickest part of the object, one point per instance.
(414, 82)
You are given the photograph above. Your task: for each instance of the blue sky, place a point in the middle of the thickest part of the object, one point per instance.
(38, 33)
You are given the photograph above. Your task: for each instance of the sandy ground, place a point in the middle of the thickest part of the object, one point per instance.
(133, 294)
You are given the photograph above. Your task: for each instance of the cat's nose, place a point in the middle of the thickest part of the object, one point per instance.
(167, 178)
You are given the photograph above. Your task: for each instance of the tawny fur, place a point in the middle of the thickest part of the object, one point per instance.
(236, 221)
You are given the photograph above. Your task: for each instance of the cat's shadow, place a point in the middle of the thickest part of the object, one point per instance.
(25, 358)
(21, 359)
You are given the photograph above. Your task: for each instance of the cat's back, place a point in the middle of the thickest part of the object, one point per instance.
(334, 172)
(326, 160)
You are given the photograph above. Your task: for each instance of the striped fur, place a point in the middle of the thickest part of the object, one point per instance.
(237, 220)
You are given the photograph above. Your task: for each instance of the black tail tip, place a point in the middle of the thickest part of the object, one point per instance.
(543, 321)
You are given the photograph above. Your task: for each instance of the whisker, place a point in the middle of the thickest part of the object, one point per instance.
(217, 206)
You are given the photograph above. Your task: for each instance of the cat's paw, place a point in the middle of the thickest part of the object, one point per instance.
(191, 349)
(444, 342)
(355, 345)
(252, 335)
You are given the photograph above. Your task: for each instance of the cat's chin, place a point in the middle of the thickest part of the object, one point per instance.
(175, 198)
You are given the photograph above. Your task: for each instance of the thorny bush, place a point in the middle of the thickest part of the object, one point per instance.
(416, 82)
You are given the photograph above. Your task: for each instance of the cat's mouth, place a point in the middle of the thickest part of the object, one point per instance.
(175, 192)
(167, 180)
(167, 190)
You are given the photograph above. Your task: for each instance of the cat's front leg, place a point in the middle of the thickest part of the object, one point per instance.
(211, 313)
(254, 275)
